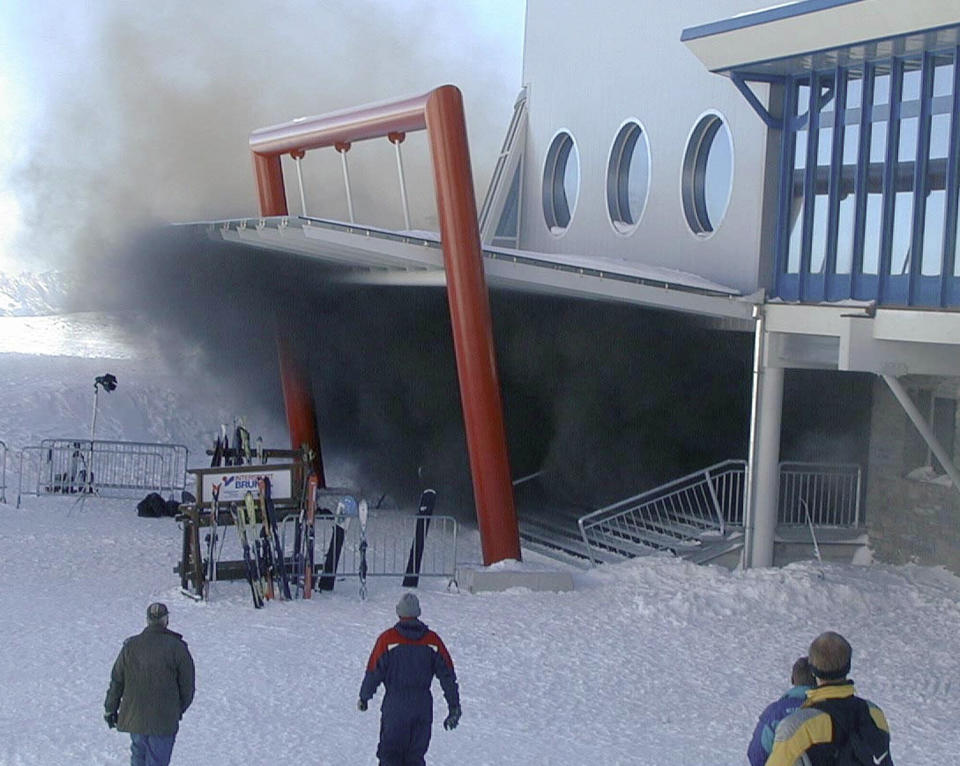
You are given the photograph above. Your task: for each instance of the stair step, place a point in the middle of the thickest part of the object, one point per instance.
(572, 541)
(662, 534)
(715, 550)
(566, 543)
(559, 554)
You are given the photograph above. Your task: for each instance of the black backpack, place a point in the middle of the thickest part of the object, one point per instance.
(857, 740)
(153, 506)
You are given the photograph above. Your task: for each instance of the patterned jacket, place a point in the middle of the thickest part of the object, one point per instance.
(762, 742)
(807, 737)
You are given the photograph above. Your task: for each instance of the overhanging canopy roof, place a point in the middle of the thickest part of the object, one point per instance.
(369, 255)
(822, 34)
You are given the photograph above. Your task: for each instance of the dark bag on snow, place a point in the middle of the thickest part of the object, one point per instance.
(153, 506)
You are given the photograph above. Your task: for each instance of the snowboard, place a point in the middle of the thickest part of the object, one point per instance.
(428, 499)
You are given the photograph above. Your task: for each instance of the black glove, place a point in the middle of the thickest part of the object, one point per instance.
(111, 719)
(452, 719)
(361, 705)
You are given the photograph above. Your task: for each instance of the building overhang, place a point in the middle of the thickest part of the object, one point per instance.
(863, 338)
(369, 255)
(822, 34)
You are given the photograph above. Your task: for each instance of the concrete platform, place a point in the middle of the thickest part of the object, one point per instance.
(476, 579)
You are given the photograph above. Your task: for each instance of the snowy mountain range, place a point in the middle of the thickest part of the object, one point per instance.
(35, 294)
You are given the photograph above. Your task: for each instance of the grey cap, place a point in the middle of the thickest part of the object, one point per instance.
(408, 606)
(156, 612)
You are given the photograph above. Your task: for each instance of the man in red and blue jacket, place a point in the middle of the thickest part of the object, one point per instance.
(405, 660)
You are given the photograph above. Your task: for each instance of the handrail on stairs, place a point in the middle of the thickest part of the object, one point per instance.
(711, 500)
(692, 499)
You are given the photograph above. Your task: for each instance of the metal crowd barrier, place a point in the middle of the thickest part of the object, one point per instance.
(115, 468)
(3, 472)
(390, 537)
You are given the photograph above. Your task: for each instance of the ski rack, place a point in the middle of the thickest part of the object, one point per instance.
(286, 481)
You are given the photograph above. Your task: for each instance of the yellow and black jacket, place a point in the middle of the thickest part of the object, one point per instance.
(814, 734)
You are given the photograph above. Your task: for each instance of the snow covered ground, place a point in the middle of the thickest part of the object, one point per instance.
(655, 662)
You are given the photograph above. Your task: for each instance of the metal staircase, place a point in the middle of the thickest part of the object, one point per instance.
(698, 517)
(689, 517)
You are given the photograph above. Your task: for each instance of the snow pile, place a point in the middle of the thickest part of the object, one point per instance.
(656, 662)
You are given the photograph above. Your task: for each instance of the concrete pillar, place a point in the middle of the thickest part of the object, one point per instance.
(765, 470)
(763, 461)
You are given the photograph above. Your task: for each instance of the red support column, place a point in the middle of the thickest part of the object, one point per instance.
(441, 112)
(270, 191)
(472, 326)
(294, 377)
(298, 402)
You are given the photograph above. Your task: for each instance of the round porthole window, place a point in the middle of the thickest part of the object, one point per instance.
(628, 177)
(561, 183)
(707, 174)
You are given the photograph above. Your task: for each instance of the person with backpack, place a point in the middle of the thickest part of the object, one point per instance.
(762, 742)
(834, 726)
(405, 660)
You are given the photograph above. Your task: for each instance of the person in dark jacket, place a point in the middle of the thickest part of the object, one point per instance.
(405, 660)
(762, 742)
(151, 687)
(834, 726)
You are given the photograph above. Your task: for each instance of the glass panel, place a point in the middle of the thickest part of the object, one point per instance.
(874, 208)
(718, 175)
(881, 90)
(943, 79)
(911, 85)
(796, 192)
(903, 202)
(818, 240)
(845, 223)
(935, 182)
(934, 219)
(854, 91)
(571, 177)
(956, 255)
(796, 224)
(638, 177)
(851, 146)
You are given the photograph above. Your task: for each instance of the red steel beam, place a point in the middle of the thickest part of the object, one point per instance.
(299, 406)
(440, 113)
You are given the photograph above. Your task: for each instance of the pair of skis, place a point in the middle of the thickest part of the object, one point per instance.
(271, 534)
(212, 537)
(305, 541)
(244, 524)
(223, 455)
(267, 567)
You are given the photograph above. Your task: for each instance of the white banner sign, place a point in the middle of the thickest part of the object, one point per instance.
(234, 486)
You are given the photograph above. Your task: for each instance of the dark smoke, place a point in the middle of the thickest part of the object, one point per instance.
(145, 117)
(138, 115)
(605, 399)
